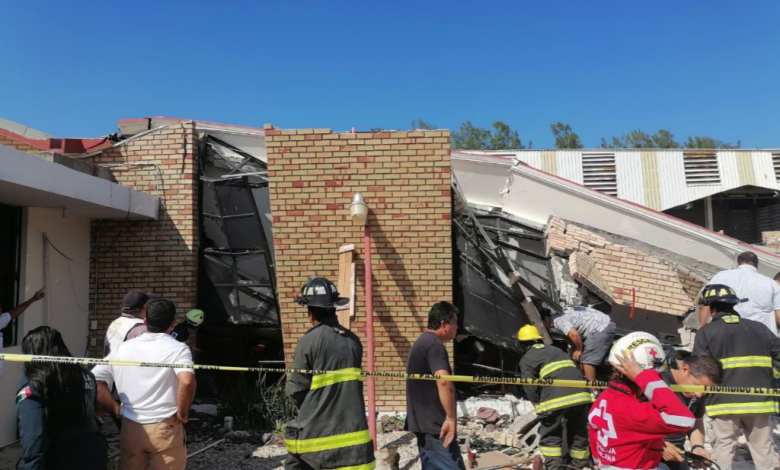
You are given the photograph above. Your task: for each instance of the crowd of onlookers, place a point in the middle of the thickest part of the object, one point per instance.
(59, 406)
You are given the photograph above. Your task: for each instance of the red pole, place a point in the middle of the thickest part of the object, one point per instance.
(633, 301)
(370, 332)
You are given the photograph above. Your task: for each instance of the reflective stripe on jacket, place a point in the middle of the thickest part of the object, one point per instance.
(549, 362)
(331, 431)
(750, 354)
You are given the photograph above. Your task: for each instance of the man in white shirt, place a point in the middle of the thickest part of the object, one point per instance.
(763, 293)
(155, 401)
(131, 323)
(10, 315)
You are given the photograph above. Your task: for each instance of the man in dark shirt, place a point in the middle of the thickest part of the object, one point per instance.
(430, 406)
(690, 370)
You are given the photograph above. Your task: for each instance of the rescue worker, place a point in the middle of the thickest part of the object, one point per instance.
(556, 404)
(192, 321)
(626, 430)
(748, 351)
(187, 331)
(330, 431)
(55, 409)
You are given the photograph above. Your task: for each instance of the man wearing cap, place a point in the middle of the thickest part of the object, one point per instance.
(331, 430)
(131, 323)
(748, 352)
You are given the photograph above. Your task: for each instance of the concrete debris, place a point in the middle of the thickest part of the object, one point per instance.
(568, 291)
(387, 459)
(507, 405)
(488, 415)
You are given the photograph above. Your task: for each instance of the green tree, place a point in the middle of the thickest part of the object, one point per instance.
(565, 138)
(423, 125)
(638, 139)
(698, 142)
(504, 137)
(664, 139)
(470, 137)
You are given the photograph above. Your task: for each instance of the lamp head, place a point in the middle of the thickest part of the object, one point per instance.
(358, 210)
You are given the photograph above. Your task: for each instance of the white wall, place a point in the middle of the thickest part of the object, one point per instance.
(67, 298)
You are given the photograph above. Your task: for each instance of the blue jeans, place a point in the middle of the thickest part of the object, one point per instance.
(434, 456)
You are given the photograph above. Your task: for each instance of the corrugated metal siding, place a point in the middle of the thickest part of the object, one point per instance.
(550, 161)
(570, 165)
(671, 178)
(657, 178)
(747, 174)
(650, 177)
(764, 169)
(729, 171)
(629, 177)
(531, 158)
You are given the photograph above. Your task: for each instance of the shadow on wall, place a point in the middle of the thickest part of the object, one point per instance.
(138, 254)
(387, 259)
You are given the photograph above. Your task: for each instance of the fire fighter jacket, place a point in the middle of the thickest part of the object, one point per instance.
(749, 352)
(330, 431)
(549, 362)
(627, 432)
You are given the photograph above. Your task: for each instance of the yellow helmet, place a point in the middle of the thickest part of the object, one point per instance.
(528, 333)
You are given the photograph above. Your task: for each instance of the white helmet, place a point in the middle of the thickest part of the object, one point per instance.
(647, 350)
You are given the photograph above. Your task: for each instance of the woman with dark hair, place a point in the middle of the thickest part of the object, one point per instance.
(55, 407)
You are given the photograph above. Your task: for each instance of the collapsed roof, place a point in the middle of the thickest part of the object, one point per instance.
(576, 246)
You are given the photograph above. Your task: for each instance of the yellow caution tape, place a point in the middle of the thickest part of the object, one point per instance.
(84, 361)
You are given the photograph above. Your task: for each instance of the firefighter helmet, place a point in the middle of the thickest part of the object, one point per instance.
(194, 317)
(528, 333)
(719, 293)
(320, 292)
(646, 348)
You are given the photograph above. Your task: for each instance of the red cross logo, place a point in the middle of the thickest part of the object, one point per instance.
(602, 421)
(653, 353)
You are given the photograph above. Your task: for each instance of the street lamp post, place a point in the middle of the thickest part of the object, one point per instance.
(358, 210)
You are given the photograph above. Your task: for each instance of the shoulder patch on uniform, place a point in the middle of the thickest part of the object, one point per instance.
(23, 394)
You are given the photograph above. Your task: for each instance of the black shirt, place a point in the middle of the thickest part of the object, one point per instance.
(424, 411)
(181, 332)
(696, 405)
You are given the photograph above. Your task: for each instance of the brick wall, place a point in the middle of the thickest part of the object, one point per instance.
(614, 270)
(405, 178)
(15, 144)
(160, 255)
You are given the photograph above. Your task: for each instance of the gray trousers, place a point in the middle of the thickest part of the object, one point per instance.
(758, 432)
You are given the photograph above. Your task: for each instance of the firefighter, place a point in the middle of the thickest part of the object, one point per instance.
(627, 430)
(330, 431)
(748, 351)
(556, 404)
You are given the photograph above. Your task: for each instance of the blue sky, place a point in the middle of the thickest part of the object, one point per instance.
(605, 67)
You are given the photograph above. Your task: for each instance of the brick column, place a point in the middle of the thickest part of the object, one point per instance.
(157, 255)
(405, 178)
